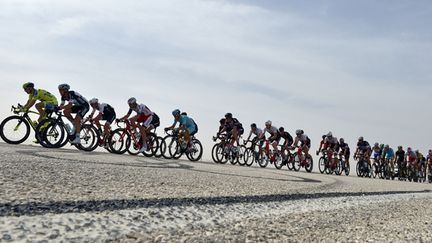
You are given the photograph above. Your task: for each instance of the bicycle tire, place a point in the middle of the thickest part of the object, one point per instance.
(117, 141)
(196, 151)
(19, 121)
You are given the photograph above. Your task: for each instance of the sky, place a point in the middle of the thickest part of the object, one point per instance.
(356, 68)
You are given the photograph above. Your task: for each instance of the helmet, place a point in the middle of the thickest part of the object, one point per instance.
(281, 129)
(376, 145)
(341, 140)
(268, 123)
(360, 139)
(430, 151)
(131, 100)
(417, 151)
(324, 136)
(28, 85)
(386, 146)
(176, 112)
(183, 113)
(299, 132)
(330, 134)
(409, 149)
(253, 125)
(228, 115)
(399, 147)
(381, 145)
(93, 101)
(222, 121)
(64, 87)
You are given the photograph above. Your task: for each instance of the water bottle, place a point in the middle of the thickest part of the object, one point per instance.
(69, 129)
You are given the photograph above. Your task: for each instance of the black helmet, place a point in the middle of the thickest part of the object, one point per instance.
(228, 115)
(281, 129)
(28, 85)
(253, 125)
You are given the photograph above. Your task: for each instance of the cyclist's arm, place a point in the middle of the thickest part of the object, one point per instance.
(30, 103)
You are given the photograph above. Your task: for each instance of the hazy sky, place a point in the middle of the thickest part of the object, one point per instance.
(352, 67)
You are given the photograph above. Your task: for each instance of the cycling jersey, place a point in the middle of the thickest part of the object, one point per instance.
(44, 96)
(331, 142)
(272, 130)
(364, 146)
(230, 124)
(344, 147)
(400, 155)
(287, 137)
(108, 113)
(188, 122)
(74, 98)
(141, 109)
(389, 153)
(412, 157)
(258, 132)
(303, 139)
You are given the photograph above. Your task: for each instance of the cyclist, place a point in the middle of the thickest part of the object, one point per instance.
(364, 147)
(411, 158)
(77, 104)
(344, 151)
(321, 145)
(429, 161)
(388, 157)
(233, 128)
(47, 101)
(421, 161)
(331, 145)
(377, 152)
(288, 141)
(257, 132)
(400, 160)
(305, 144)
(105, 113)
(187, 127)
(274, 135)
(145, 120)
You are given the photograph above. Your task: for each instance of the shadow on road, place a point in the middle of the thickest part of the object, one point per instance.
(41, 208)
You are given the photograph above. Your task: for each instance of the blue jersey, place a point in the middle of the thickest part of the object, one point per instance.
(186, 121)
(389, 153)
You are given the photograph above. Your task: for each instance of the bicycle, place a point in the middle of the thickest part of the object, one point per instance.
(225, 152)
(363, 168)
(334, 166)
(298, 162)
(177, 146)
(128, 139)
(55, 129)
(16, 129)
(271, 157)
(343, 164)
(252, 153)
(323, 162)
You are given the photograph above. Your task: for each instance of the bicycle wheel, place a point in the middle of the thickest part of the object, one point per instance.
(152, 145)
(290, 162)
(233, 155)
(89, 138)
(161, 149)
(221, 155)
(278, 163)
(117, 141)
(132, 147)
(175, 149)
(51, 134)
(168, 141)
(322, 165)
(338, 169)
(347, 169)
(240, 160)
(14, 129)
(358, 169)
(195, 152)
(262, 161)
(309, 163)
(296, 162)
(213, 153)
(248, 157)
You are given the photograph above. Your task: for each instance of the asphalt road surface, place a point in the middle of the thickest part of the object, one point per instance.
(68, 195)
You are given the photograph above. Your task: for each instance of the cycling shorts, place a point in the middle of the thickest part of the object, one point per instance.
(80, 110)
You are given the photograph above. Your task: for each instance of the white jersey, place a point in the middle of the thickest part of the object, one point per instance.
(141, 109)
(272, 130)
(258, 132)
(333, 140)
(101, 107)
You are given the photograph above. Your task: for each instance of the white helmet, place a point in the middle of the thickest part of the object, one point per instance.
(329, 134)
(299, 132)
(131, 100)
(268, 123)
(94, 101)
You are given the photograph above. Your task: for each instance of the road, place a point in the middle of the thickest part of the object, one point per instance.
(68, 195)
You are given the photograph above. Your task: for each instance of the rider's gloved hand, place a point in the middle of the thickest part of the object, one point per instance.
(317, 152)
(166, 129)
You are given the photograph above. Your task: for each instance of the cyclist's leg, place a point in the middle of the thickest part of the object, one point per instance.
(40, 108)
